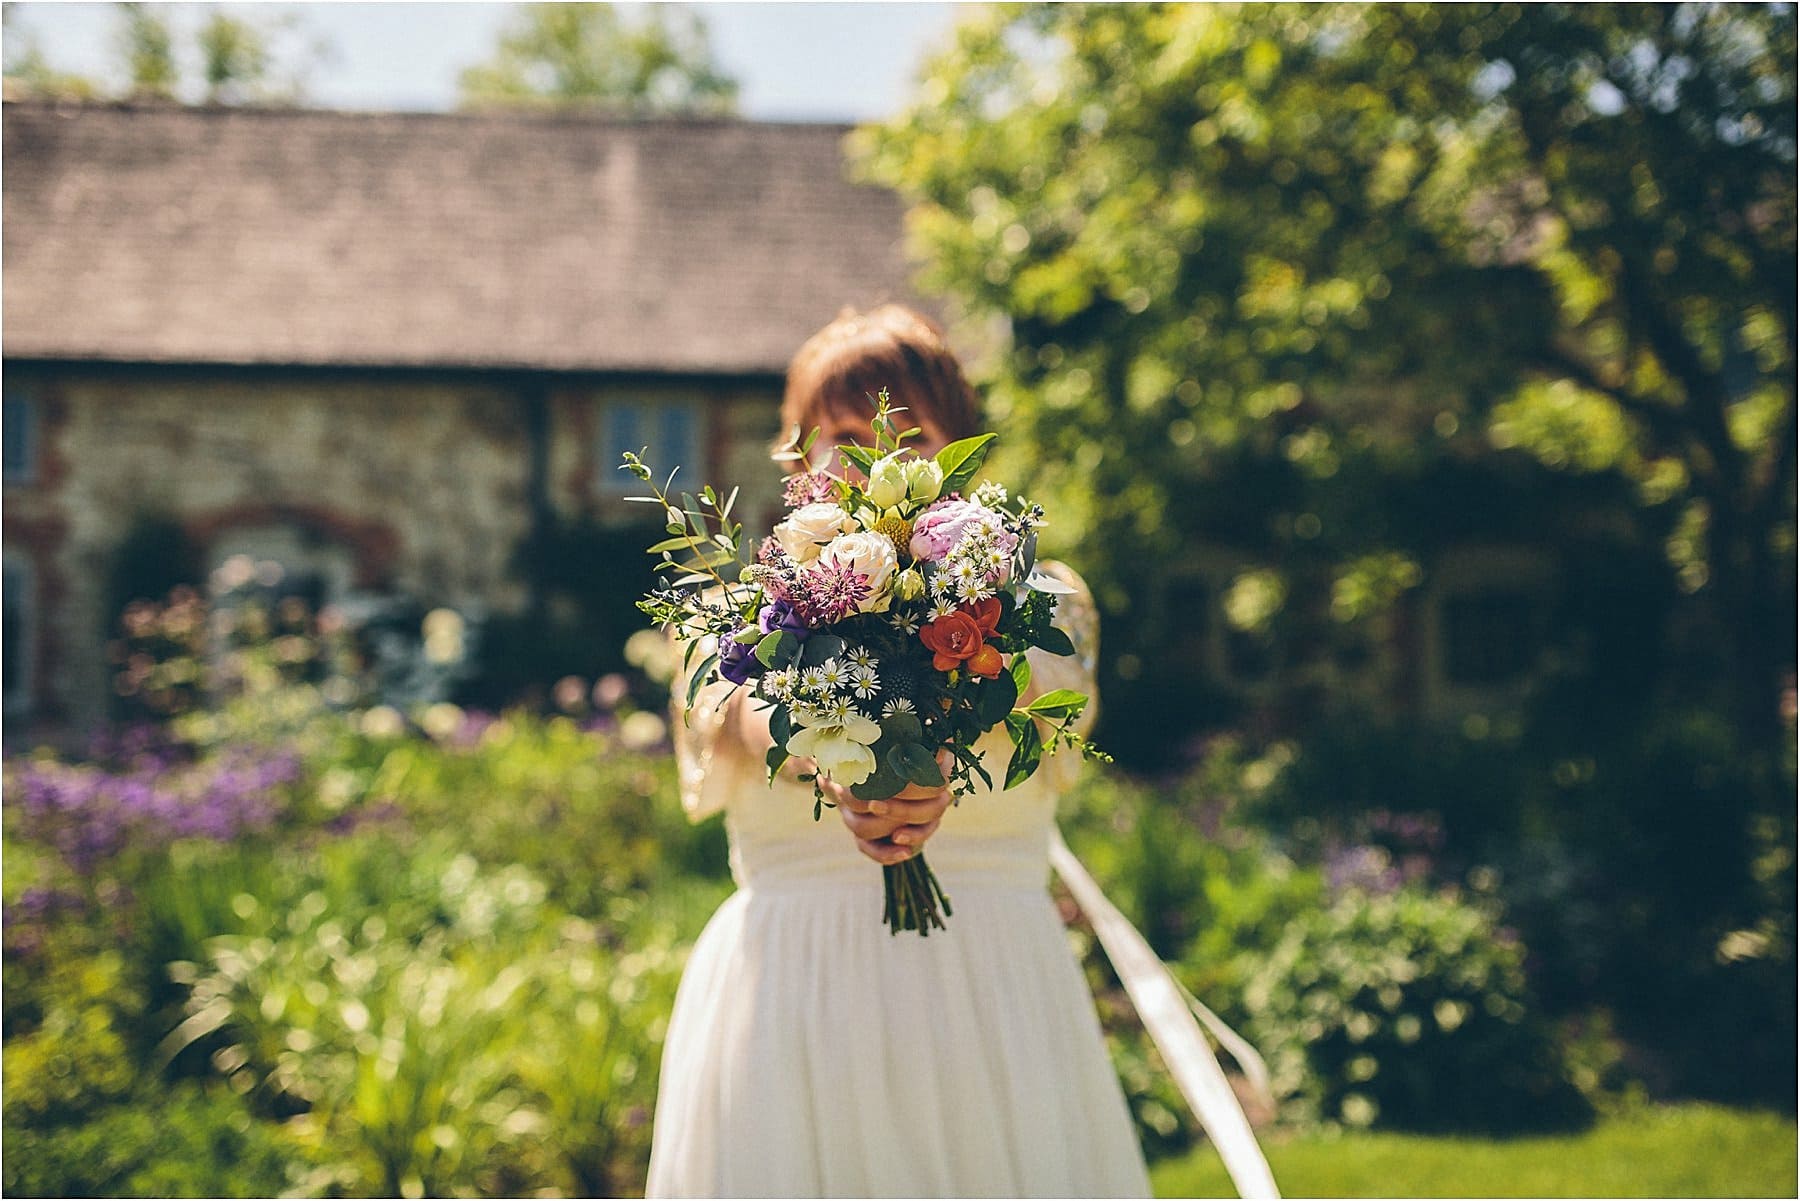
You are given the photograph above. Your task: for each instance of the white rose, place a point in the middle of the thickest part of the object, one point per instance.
(869, 554)
(806, 528)
(923, 479)
(887, 481)
(909, 584)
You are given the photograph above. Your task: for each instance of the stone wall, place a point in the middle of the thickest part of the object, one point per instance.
(385, 484)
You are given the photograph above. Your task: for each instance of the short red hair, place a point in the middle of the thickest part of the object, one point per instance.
(841, 368)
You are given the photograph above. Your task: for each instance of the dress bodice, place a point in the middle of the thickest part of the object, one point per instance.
(997, 839)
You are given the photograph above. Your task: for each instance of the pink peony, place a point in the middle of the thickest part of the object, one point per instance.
(941, 527)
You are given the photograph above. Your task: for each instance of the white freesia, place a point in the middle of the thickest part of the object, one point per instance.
(804, 530)
(841, 750)
(888, 481)
(923, 479)
(869, 554)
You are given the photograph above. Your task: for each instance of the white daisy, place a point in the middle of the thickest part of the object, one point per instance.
(906, 625)
(861, 657)
(865, 682)
(834, 673)
(898, 704)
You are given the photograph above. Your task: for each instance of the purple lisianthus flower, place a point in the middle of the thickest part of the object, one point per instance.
(737, 660)
(779, 615)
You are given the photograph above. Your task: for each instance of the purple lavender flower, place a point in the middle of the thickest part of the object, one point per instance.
(90, 815)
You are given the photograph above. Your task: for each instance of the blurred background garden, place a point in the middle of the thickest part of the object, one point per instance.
(1414, 384)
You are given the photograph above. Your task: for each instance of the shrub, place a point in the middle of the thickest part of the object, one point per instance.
(1409, 1009)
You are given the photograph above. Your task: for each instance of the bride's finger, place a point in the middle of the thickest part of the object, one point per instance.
(913, 813)
(842, 797)
(915, 836)
(884, 852)
(869, 826)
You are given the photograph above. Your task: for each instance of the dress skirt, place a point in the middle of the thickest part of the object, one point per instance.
(812, 1054)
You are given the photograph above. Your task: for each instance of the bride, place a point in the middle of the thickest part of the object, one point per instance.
(812, 1054)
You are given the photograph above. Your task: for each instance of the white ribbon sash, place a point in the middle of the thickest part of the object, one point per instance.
(1159, 998)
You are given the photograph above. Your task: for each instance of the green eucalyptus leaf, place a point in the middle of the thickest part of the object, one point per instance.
(777, 649)
(701, 677)
(917, 764)
(884, 782)
(902, 727)
(861, 456)
(820, 647)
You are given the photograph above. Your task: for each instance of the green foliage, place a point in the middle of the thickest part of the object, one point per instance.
(69, 1049)
(148, 47)
(586, 55)
(456, 1034)
(1410, 1009)
(186, 1139)
(1257, 261)
(243, 60)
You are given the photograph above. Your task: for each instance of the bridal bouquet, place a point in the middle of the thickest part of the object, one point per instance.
(884, 622)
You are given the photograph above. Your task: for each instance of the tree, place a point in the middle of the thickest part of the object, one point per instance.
(28, 73)
(1347, 242)
(148, 47)
(585, 55)
(242, 60)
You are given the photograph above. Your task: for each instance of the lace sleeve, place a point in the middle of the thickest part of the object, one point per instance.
(1076, 616)
(709, 764)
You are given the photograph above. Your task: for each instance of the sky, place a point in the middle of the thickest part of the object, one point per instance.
(794, 62)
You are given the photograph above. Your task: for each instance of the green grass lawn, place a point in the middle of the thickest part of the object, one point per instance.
(1661, 1151)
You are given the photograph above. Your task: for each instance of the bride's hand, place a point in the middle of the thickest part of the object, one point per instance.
(892, 830)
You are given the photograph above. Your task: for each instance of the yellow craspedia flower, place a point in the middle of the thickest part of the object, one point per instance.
(896, 529)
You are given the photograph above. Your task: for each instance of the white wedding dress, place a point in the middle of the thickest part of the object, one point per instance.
(812, 1054)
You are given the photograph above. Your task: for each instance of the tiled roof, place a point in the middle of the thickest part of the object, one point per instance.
(219, 235)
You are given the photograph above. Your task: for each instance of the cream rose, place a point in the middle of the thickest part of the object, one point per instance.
(887, 481)
(869, 554)
(804, 530)
(923, 479)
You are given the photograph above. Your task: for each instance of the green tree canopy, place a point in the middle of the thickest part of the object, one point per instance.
(1354, 240)
(239, 60)
(587, 55)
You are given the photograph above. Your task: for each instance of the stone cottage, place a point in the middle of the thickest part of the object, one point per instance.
(378, 348)
(384, 350)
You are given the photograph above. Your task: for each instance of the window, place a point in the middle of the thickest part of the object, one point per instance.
(17, 646)
(666, 432)
(1483, 627)
(18, 437)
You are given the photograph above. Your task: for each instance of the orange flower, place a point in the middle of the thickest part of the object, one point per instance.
(986, 662)
(986, 614)
(959, 639)
(952, 639)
